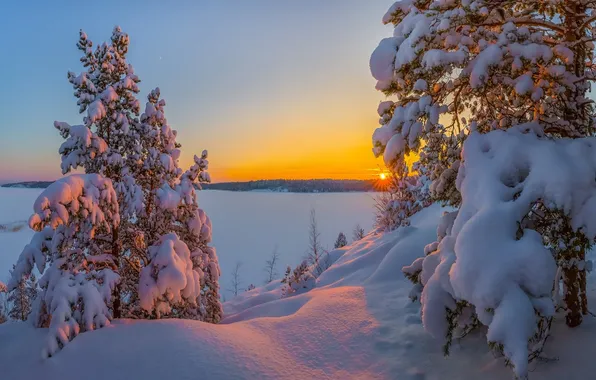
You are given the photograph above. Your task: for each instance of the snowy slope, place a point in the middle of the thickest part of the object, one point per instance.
(339, 330)
(358, 323)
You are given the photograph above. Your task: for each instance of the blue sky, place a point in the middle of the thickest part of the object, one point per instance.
(269, 87)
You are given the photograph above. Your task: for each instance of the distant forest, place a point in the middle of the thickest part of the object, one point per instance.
(276, 185)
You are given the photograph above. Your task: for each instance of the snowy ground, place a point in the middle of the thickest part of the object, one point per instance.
(246, 226)
(358, 323)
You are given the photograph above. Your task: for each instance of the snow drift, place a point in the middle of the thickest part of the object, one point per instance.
(357, 323)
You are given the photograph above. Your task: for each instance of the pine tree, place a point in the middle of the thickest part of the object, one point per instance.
(110, 233)
(520, 66)
(78, 278)
(357, 233)
(22, 297)
(341, 241)
(298, 281)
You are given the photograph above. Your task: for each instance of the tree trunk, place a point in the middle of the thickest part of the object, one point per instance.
(575, 284)
(571, 276)
(116, 257)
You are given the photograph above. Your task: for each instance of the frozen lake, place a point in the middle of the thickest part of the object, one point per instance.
(246, 226)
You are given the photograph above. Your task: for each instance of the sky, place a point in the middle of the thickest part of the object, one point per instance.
(272, 88)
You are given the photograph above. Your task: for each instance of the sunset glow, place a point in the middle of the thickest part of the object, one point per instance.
(279, 105)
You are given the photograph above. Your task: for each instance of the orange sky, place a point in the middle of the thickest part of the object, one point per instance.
(285, 93)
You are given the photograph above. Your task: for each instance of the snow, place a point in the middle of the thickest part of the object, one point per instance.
(295, 337)
(170, 278)
(358, 322)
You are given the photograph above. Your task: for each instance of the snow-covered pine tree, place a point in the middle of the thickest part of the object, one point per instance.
(461, 67)
(298, 281)
(22, 297)
(154, 221)
(78, 277)
(479, 64)
(106, 91)
(341, 241)
(170, 206)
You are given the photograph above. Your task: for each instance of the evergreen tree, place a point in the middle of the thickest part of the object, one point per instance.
(510, 65)
(298, 281)
(357, 233)
(113, 233)
(22, 297)
(341, 241)
(78, 278)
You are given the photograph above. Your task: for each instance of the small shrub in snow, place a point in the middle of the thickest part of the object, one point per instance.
(236, 282)
(316, 255)
(357, 233)
(297, 281)
(271, 266)
(250, 287)
(341, 241)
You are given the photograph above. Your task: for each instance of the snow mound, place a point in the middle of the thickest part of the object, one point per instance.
(357, 323)
(331, 332)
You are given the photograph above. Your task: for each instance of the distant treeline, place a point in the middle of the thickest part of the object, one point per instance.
(278, 185)
(296, 185)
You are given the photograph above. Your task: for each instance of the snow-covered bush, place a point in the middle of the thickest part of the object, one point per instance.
(298, 281)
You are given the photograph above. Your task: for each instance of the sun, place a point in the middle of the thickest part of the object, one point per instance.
(383, 176)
